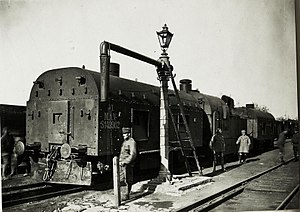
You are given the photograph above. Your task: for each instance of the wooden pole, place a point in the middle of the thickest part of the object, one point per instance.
(116, 178)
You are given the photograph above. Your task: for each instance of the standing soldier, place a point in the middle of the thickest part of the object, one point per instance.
(7, 145)
(295, 141)
(280, 144)
(127, 159)
(244, 142)
(217, 144)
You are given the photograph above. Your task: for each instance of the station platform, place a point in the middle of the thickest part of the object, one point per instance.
(184, 190)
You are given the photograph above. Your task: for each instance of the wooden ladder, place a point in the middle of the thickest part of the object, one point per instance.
(188, 140)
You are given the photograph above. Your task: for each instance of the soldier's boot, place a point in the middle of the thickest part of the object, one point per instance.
(214, 163)
(129, 190)
(240, 158)
(125, 191)
(13, 164)
(295, 155)
(245, 157)
(222, 163)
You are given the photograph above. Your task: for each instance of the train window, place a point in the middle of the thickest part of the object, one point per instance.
(140, 124)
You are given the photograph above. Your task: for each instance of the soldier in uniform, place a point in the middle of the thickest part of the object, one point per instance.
(280, 144)
(295, 141)
(7, 145)
(217, 144)
(244, 142)
(127, 160)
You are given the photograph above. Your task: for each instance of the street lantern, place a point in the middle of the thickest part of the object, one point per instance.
(164, 38)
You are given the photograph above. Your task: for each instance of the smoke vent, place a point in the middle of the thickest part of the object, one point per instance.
(185, 85)
(114, 69)
(250, 106)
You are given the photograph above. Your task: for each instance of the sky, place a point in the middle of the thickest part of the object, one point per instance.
(241, 48)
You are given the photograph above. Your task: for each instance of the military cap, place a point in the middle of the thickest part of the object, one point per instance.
(125, 130)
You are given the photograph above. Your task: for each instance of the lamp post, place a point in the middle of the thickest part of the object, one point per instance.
(164, 73)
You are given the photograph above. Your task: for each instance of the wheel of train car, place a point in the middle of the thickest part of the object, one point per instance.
(65, 150)
(19, 148)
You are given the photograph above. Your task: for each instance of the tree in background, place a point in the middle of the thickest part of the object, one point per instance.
(262, 108)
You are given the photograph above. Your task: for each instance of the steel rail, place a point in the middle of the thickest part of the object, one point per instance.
(20, 187)
(288, 199)
(29, 198)
(223, 195)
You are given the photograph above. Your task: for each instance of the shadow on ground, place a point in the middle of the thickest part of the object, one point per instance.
(144, 190)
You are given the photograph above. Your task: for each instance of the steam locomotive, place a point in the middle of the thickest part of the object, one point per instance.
(77, 134)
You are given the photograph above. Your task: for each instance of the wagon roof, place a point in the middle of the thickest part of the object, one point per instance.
(251, 113)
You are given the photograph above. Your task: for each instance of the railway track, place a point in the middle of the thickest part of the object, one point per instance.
(27, 193)
(284, 204)
(217, 202)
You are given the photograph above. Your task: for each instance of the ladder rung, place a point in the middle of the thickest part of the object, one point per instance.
(185, 139)
(189, 156)
(175, 148)
(187, 148)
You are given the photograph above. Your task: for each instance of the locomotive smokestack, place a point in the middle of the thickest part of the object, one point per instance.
(114, 69)
(229, 101)
(104, 70)
(185, 85)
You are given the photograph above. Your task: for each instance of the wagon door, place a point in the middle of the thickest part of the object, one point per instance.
(58, 122)
(252, 128)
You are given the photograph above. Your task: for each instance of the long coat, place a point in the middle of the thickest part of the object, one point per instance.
(127, 157)
(281, 141)
(217, 143)
(244, 142)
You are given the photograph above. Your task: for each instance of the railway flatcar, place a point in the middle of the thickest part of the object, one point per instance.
(78, 135)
